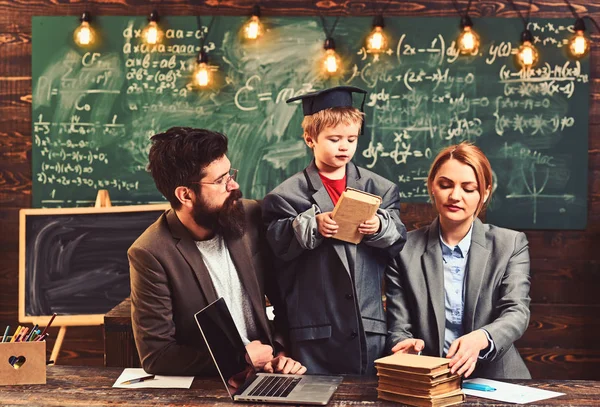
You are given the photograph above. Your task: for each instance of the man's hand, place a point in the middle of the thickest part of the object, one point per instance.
(285, 365)
(370, 227)
(260, 354)
(410, 345)
(326, 225)
(464, 351)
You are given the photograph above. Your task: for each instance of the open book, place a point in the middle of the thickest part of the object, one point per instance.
(353, 208)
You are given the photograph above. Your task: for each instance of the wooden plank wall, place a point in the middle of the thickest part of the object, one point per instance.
(563, 340)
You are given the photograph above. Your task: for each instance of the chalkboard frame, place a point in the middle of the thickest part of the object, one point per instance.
(64, 320)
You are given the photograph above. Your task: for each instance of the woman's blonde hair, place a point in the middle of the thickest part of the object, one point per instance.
(314, 124)
(469, 154)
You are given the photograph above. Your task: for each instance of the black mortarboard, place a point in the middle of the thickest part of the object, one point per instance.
(340, 96)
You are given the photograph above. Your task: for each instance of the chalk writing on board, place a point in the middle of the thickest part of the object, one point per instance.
(95, 110)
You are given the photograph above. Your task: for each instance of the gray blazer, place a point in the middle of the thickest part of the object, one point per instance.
(333, 290)
(170, 283)
(496, 295)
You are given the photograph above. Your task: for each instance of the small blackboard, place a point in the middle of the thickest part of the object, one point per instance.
(73, 261)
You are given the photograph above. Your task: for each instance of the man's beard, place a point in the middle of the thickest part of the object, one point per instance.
(228, 221)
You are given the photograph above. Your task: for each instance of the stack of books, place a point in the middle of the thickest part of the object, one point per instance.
(418, 381)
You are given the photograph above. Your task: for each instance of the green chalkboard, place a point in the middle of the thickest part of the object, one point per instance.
(94, 110)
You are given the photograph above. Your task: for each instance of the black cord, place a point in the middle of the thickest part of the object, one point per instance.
(593, 22)
(329, 34)
(573, 11)
(203, 40)
(385, 7)
(525, 21)
(466, 13)
(528, 14)
(455, 4)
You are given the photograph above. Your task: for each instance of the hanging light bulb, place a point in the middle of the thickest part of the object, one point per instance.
(331, 62)
(527, 55)
(202, 72)
(84, 34)
(253, 28)
(152, 34)
(377, 41)
(579, 44)
(468, 40)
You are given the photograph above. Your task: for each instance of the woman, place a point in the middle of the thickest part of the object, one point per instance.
(460, 288)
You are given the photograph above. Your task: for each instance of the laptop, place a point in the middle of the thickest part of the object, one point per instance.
(229, 354)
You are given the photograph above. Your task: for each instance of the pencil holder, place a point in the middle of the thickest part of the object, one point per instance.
(23, 363)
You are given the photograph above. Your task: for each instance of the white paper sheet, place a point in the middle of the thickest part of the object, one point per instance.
(510, 393)
(159, 382)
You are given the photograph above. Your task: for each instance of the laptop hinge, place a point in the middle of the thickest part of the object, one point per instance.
(246, 384)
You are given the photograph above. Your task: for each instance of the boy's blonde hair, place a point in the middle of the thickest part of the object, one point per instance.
(316, 123)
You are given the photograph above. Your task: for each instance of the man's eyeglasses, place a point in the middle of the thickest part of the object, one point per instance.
(225, 180)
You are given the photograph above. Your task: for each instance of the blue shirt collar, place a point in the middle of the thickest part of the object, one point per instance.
(464, 245)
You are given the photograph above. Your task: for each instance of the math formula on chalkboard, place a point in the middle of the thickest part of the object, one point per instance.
(94, 110)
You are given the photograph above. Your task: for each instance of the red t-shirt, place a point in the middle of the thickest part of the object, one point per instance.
(334, 187)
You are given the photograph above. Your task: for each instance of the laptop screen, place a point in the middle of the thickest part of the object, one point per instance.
(222, 338)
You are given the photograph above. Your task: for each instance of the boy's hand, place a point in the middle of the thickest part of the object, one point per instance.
(326, 225)
(370, 227)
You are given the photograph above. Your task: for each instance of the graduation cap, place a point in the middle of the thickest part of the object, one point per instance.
(339, 96)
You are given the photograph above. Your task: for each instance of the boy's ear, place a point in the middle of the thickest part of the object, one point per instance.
(308, 140)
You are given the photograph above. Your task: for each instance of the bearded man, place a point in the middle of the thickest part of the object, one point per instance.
(210, 244)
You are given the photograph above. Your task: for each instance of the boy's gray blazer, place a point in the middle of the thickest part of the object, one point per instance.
(496, 295)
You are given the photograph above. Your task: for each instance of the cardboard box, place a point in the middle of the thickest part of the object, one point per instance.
(29, 363)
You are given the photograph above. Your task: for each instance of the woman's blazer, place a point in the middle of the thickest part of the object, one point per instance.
(496, 294)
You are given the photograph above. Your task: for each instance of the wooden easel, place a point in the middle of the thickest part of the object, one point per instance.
(102, 201)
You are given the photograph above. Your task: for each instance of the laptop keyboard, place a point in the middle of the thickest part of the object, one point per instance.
(275, 386)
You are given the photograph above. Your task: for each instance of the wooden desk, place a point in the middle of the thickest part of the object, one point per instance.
(92, 386)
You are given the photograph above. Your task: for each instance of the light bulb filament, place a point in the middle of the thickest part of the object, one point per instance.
(376, 42)
(152, 33)
(527, 56)
(331, 61)
(253, 30)
(202, 75)
(579, 45)
(84, 34)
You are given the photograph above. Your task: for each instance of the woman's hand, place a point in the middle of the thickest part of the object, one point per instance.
(411, 345)
(464, 352)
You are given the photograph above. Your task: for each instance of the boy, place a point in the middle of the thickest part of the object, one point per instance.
(332, 289)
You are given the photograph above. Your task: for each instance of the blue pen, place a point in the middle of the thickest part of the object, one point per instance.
(477, 386)
(5, 333)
